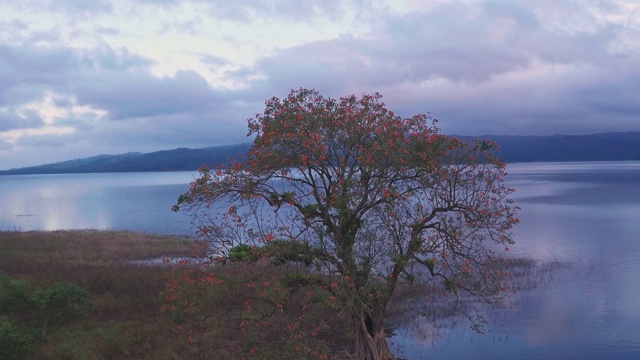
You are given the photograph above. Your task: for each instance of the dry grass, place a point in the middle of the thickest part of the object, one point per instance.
(215, 326)
(90, 246)
(126, 321)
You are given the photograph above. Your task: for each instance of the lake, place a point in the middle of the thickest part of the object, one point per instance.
(586, 215)
(114, 201)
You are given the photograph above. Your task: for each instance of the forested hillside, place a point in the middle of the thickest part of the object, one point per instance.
(596, 147)
(166, 160)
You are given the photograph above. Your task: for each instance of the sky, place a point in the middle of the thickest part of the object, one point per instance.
(81, 78)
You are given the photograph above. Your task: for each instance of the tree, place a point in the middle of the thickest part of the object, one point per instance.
(374, 196)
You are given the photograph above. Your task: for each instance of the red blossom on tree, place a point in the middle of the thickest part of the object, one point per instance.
(370, 194)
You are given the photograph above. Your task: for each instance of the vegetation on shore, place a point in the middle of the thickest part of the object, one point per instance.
(117, 302)
(121, 302)
(115, 306)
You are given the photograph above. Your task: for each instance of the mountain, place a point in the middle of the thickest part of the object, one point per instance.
(166, 160)
(595, 147)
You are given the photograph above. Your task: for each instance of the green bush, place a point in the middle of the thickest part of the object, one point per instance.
(242, 252)
(43, 307)
(15, 343)
(14, 295)
(282, 251)
(60, 304)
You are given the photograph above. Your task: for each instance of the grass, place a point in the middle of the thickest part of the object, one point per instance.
(125, 320)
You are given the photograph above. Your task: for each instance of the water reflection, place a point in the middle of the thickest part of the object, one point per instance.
(583, 213)
(134, 201)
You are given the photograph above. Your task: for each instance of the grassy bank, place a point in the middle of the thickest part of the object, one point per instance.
(123, 318)
(87, 295)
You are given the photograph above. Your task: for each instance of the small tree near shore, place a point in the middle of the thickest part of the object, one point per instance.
(374, 198)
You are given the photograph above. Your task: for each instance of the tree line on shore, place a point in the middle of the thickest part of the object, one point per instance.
(596, 147)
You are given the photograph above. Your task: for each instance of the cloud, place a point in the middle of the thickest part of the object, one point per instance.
(11, 119)
(26, 72)
(116, 76)
(141, 94)
(290, 10)
(481, 68)
(405, 48)
(214, 61)
(162, 3)
(74, 8)
(114, 80)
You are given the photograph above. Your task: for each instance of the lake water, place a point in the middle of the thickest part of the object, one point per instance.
(586, 215)
(129, 201)
(583, 214)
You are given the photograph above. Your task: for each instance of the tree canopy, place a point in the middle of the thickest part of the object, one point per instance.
(375, 198)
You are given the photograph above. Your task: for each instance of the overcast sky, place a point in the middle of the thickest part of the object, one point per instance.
(80, 78)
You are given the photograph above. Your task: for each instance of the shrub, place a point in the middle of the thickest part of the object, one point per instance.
(15, 343)
(14, 295)
(242, 252)
(60, 304)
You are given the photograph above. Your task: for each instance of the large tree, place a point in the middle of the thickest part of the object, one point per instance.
(371, 196)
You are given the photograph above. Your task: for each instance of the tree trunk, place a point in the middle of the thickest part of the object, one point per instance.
(371, 343)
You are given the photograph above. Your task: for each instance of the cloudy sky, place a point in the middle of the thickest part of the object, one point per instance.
(80, 78)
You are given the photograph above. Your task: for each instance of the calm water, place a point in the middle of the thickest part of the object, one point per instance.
(131, 201)
(587, 214)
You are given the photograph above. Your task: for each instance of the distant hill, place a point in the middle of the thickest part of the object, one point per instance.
(596, 147)
(166, 160)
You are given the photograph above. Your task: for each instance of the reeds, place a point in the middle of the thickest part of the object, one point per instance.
(124, 320)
